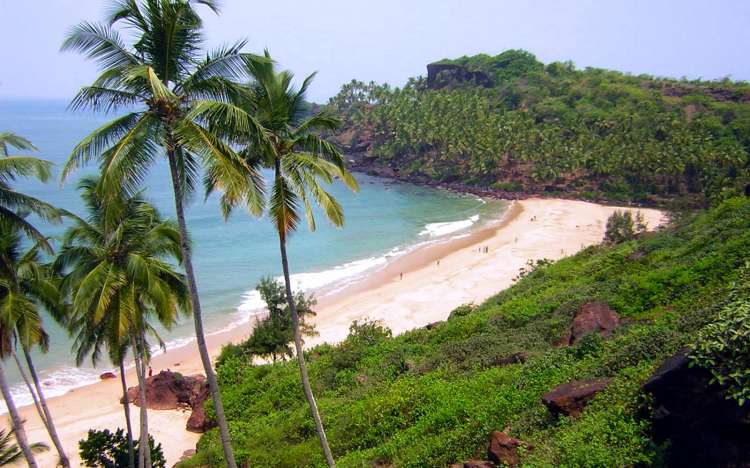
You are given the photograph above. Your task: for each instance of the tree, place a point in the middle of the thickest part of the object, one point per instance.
(110, 450)
(120, 280)
(270, 121)
(13, 206)
(10, 453)
(26, 285)
(161, 72)
(272, 335)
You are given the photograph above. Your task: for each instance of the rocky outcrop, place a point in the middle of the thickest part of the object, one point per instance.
(503, 449)
(441, 75)
(571, 398)
(592, 317)
(108, 376)
(702, 427)
(171, 390)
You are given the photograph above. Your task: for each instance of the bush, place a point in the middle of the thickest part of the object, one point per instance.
(723, 347)
(623, 226)
(110, 450)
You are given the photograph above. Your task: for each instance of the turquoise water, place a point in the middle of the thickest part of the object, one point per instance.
(382, 220)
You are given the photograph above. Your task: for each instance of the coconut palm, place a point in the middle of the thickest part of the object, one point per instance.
(162, 74)
(120, 281)
(12, 202)
(270, 121)
(93, 341)
(26, 285)
(10, 453)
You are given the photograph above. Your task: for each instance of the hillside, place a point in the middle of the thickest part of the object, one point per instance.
(432, 396)
(512, 124)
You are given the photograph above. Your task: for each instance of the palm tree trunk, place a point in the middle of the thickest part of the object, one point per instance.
(126, 409)
(18, 430)
(301, 358)
(31, 389)
(64, 461)
(144, 404)
(200, 338)
(143, 446)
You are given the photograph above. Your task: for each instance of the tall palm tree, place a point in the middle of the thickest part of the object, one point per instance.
(13, 205)
(120, 281)
(270, 119)
(26, 284)
(163, 75)
(10, 453)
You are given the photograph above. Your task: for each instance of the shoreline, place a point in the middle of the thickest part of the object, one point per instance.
(414, 289)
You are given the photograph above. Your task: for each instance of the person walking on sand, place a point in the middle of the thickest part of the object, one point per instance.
(150, 371)
(401, 276)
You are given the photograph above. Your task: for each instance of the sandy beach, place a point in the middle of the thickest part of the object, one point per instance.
(414, 289)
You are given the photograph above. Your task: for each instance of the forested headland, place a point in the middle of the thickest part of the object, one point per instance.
(510, 123)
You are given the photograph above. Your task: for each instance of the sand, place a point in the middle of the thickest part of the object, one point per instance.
(411, 291)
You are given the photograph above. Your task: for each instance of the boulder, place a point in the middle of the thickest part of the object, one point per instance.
(108, 375)
(593, 317)
(503, 449)
(198, 422)
(171, 390)
(440, 75)
(702, 427)
(571, 398)
(474, 464)
(433, 325)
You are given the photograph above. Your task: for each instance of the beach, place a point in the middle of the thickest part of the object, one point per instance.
(412, 290)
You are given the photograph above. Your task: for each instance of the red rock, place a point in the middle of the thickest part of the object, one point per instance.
(593, 317)
(474, 464)
(572, 397)
(170, 390)
(503, 449)
(108, 375)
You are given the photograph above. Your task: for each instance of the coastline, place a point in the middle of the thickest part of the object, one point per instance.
(427, 292)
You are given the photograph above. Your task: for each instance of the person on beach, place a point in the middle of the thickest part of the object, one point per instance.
(150, 371)
(401, 276)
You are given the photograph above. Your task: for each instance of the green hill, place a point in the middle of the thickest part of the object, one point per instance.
(513, 124)
(431, 397)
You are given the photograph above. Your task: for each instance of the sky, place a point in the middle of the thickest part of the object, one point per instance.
(392, 40)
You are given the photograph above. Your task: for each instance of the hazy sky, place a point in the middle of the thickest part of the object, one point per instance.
(391, 40)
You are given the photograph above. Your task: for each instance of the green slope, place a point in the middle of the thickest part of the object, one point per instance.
(431, 397)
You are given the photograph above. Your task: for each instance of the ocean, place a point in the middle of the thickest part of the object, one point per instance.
(384, 219)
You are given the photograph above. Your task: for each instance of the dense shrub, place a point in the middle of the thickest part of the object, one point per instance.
(623, 226)
(108, 449)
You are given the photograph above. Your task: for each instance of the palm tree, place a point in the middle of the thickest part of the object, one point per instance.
(270, 121)
(26, 285)
(13, 206)
(93, 341)
(163, 75)
(10, 453)
(120, 281)
(12, 202)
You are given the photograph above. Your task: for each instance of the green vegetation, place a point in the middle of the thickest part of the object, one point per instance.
(10, 454)
(271, 336)
(120, 282)
(25, 285)
(431, 397)
(108, 449)
(623, 226)
(552, 128)
(723, 347)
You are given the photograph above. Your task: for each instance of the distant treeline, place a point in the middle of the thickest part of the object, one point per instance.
(511, 123)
